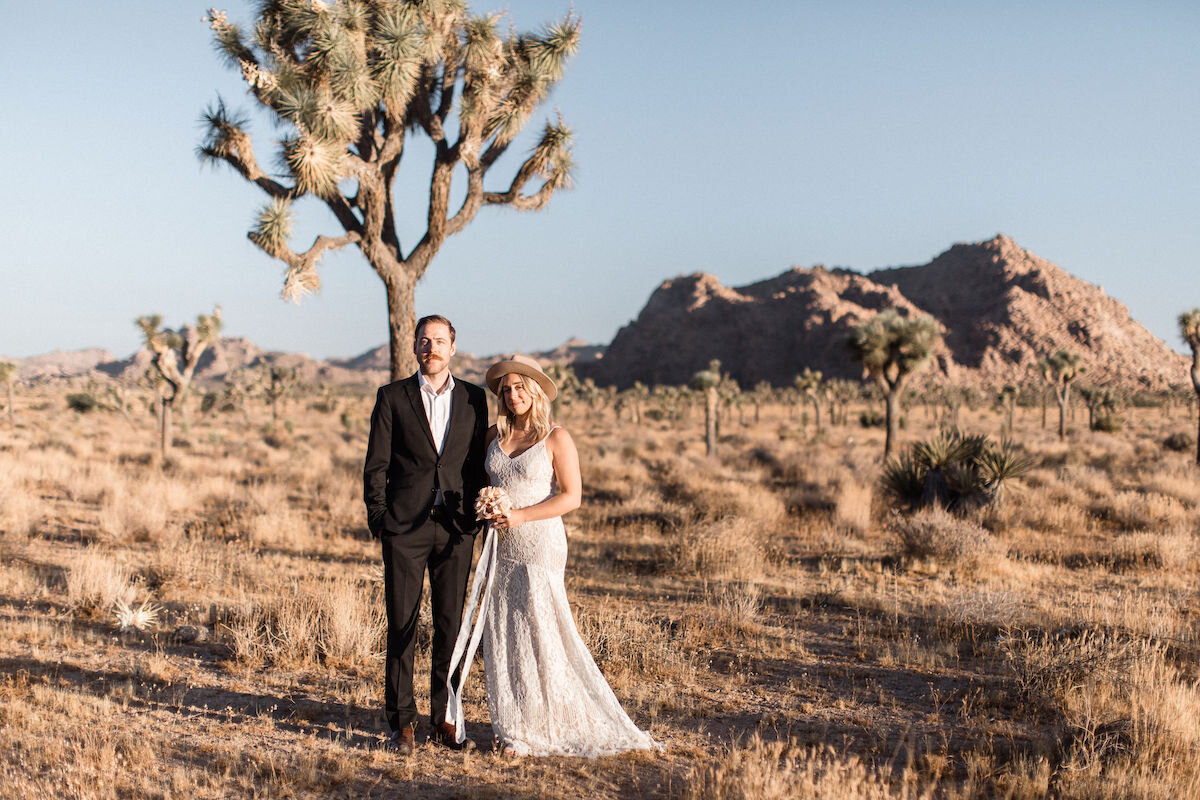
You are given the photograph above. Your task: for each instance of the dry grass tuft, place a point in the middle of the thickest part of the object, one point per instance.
(95, 582)
(786, 771)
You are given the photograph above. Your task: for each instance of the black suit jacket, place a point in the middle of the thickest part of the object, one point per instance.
(403, 470)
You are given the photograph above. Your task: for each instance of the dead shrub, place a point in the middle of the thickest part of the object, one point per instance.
(934, 533)
(727, 549)
(96, 582)
(320, 622)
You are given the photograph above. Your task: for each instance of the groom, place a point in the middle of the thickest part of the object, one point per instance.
(424, 468)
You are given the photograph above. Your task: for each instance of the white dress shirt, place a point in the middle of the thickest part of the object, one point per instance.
(437, 408)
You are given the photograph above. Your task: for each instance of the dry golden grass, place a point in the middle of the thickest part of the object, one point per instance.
(761, 612)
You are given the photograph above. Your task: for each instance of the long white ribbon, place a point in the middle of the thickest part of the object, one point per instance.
(468, 633)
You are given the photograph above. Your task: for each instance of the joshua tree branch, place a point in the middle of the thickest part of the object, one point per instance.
(320, 245)
(514, 198)
(238, 152)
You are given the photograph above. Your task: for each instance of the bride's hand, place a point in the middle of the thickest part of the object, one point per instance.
(512, 519)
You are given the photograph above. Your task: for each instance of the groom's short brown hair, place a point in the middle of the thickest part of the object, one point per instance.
(423, 321)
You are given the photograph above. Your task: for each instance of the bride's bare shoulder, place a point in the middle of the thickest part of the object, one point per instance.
(559, 439)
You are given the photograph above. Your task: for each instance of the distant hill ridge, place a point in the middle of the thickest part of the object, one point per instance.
(1001, 309)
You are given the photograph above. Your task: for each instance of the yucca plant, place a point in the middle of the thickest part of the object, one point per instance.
(953, 470)
(349, 81)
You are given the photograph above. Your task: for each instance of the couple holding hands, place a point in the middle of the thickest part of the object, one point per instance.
(429, 456)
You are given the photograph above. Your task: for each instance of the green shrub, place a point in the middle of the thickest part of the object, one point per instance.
(871, 418)
(1179, 442)
(1107, 423)
(81, 402)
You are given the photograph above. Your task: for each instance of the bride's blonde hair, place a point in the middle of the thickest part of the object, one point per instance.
(539, 410)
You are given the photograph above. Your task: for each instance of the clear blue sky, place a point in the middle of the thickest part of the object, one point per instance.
(736, 139)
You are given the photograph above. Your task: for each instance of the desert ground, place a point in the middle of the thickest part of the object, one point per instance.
(758, 611)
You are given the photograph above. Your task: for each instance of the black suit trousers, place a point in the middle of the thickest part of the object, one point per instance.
(447, 554)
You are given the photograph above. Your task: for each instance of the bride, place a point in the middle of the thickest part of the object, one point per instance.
(544, 692)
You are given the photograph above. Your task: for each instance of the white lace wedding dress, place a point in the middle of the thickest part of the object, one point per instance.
(544, 692)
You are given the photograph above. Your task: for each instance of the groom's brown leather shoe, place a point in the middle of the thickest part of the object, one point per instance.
(403, 741)
(444, 735)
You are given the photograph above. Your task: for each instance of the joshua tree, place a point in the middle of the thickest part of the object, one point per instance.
(891, 347)
(1101, 406)
(1189, 328)
(761, 393)
(808, 383)
(567, 381)
(168, 349)
(636, 396)
(349, 80)
(1007, 399)
(278, 383)
(8, 376)
(1059, 371)
(841, 394)
(709, 382)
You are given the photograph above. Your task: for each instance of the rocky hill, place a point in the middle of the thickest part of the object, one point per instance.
(1001, 309)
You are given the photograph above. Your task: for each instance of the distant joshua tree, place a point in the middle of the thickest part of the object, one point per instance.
(168, 349)
(892, 348)
(809, 384)
(1189, 328)
(709, 381)
(567, 381)
(8, 376)
(350, 81)
(637, 395)
(762, 393)
(1060, 371)
(841, 394)
(1006, 398)
(278, 383)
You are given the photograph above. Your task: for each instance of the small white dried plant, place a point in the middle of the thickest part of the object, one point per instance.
(140, 618)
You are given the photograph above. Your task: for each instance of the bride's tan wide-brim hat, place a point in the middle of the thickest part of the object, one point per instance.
(522, 365)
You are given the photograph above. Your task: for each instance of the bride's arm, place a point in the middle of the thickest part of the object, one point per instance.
(565, 459)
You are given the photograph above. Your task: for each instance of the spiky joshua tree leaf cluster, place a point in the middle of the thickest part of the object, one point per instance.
(348, 81)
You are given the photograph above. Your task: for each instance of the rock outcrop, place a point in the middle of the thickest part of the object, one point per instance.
(1001, 309)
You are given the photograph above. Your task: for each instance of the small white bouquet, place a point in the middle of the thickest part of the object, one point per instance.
(492, 502)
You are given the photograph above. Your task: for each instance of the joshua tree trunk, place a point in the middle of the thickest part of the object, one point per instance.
(893, 420)
(1195, 386)
(1043, 409)
(1063, 397)
(710, 422)
(402, 321)
(164, 426)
